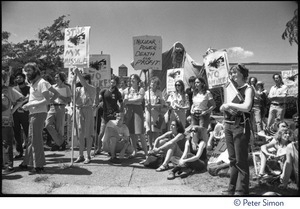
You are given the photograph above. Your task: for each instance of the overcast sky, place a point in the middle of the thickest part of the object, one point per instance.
(250, 31)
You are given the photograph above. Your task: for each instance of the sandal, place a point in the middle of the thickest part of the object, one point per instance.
(163, 168)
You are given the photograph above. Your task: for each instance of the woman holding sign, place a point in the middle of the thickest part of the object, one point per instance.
(203, 104)
(134, 116)
(237, 132)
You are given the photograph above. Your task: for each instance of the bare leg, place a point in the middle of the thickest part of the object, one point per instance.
(263, 162)
(144, 143)
(133, 139)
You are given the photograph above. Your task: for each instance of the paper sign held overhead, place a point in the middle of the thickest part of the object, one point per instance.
(172, 76)
(216, 67)
(76, 47)
(147, 52)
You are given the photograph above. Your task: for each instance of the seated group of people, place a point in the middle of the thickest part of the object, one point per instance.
(188, 148)
(282, 148)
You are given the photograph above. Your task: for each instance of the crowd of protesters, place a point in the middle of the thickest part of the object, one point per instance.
(176, 124)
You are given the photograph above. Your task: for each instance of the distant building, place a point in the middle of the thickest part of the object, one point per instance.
(123, 71)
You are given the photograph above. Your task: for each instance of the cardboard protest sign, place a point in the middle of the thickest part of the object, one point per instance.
(76, 47)
(290, 78)
(172, 76)
(216, 67)
(147, 52)
(99, 70)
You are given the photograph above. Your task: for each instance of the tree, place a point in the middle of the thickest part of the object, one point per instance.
(291, 31)
(47, 51)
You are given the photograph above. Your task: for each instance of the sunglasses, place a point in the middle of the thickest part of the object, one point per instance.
(193, 130)
(177, 85)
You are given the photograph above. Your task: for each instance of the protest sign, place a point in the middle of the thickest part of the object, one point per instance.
(147, 52)
(216, 67)
(172, 76)
(290, 78)
(76, 47)
(99, 70)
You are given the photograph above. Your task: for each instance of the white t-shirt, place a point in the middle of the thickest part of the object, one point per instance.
(36, 94)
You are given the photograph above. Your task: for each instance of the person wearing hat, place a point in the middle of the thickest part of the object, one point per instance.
(237, 132)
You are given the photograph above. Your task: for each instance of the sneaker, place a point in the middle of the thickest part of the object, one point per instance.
(37, 170)
(79, 159)
(55, 148)
(115, 160)
(171, 176)
(8, 170)
(87, 160)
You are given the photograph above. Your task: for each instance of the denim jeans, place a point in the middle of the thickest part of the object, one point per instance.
(237, 140)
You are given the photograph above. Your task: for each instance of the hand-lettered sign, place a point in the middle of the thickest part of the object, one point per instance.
(216, 67)
(76, 47)
(147, 52)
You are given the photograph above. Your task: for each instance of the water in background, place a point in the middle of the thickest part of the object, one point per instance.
(267, 79)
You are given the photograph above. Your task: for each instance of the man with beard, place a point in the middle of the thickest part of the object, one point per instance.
(39, 98)
(110, 98)
(21, 117)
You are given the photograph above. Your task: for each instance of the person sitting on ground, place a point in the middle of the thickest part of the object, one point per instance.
(194, 157)
(291, 164)
(168, 144)
(215, 136)
(276, 126)
(279, 143)
(116, 139)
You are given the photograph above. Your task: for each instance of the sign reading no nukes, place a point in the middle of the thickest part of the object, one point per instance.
(147, 52)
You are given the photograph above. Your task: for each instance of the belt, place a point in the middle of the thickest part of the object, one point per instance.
(278, 104)
(54, 104)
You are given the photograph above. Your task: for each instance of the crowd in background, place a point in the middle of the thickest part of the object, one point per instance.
(127, 117)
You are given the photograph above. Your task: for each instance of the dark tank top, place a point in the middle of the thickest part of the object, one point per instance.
(203, 157)
(231, 117)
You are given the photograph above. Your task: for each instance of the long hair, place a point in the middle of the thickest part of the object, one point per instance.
(34, 67)
(156, 80)
(182, 91)
(204, 85)
(179, 126)
(279, 134)
(62, 76)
